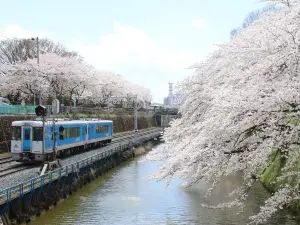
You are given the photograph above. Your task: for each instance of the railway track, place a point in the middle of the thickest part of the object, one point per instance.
(19, 167)
(14, 169)
(5, 160)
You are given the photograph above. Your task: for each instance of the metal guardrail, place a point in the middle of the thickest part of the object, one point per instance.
(17, 109)
(100, 110)
(28, 109)
(20, 190)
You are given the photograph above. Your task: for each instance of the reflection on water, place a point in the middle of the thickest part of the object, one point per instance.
(124, 197)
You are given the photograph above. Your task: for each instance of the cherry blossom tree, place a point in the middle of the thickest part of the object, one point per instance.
(54, 76)
(102, 87)
(19, 50)
(131, 90)
(287, 3)
(252, 17)
(18, 57)
(240, 107)
(63, 76)
(21, 78)
(60, 74)
(109, 87)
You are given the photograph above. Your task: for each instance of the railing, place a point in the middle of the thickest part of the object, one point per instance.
(28, 186)
(102, 111)
(17, 109)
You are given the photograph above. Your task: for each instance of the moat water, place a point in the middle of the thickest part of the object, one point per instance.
(123, 196)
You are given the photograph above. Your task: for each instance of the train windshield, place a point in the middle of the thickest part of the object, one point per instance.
(37, 134)
(16, 133)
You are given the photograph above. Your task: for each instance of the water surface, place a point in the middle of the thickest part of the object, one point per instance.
(123, 197)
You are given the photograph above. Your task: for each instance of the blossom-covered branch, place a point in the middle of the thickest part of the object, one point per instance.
(60, 74)
(241, 106)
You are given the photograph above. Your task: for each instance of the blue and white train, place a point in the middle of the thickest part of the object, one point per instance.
(71, 136)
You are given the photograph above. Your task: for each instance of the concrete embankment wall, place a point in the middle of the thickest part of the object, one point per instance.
(276, 162)
(121, 124)
(142, 149)
(166, 119)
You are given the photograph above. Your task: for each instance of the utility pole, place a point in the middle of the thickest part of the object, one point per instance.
(108, 101)
(75, 97)
(55, 110)
(54, 136)
(38, 50)
(43, 148)
(135, 130)
(135, 117)
(42, 111)
(38, 62)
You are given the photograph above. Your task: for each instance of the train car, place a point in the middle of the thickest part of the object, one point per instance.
(70, 137)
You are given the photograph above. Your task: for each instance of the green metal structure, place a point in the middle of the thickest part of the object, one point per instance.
(17, 109)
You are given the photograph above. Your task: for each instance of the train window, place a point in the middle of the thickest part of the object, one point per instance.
(16, 133)
(101, 129)
(66, 132)
(52, 133)
(72, 132)
(37, 134)
(104, 129)
(61, 133)
(27, 134)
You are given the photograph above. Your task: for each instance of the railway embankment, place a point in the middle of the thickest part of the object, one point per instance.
(20, 203)
(58, 190)
(120, 124)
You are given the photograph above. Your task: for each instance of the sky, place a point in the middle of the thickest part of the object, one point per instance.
(149, 42)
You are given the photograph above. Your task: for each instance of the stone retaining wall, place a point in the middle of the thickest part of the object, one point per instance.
(22, 210)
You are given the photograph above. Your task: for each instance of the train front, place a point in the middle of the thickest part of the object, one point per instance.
(27, 141)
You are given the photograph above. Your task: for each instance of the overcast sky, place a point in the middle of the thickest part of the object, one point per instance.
(150, 42)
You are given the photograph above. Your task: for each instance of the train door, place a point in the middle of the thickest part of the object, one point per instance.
(86, 133)
(90, 132)
(26, 139)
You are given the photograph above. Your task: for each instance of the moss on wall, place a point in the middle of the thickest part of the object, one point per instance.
(277, 161)
(270, 174)
(268, 177)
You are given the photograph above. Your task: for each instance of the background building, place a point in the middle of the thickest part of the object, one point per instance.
(173, 100)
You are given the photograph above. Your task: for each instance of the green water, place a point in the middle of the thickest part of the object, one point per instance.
(123, 197)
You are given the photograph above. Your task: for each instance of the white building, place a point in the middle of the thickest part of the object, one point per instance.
(172, 101)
